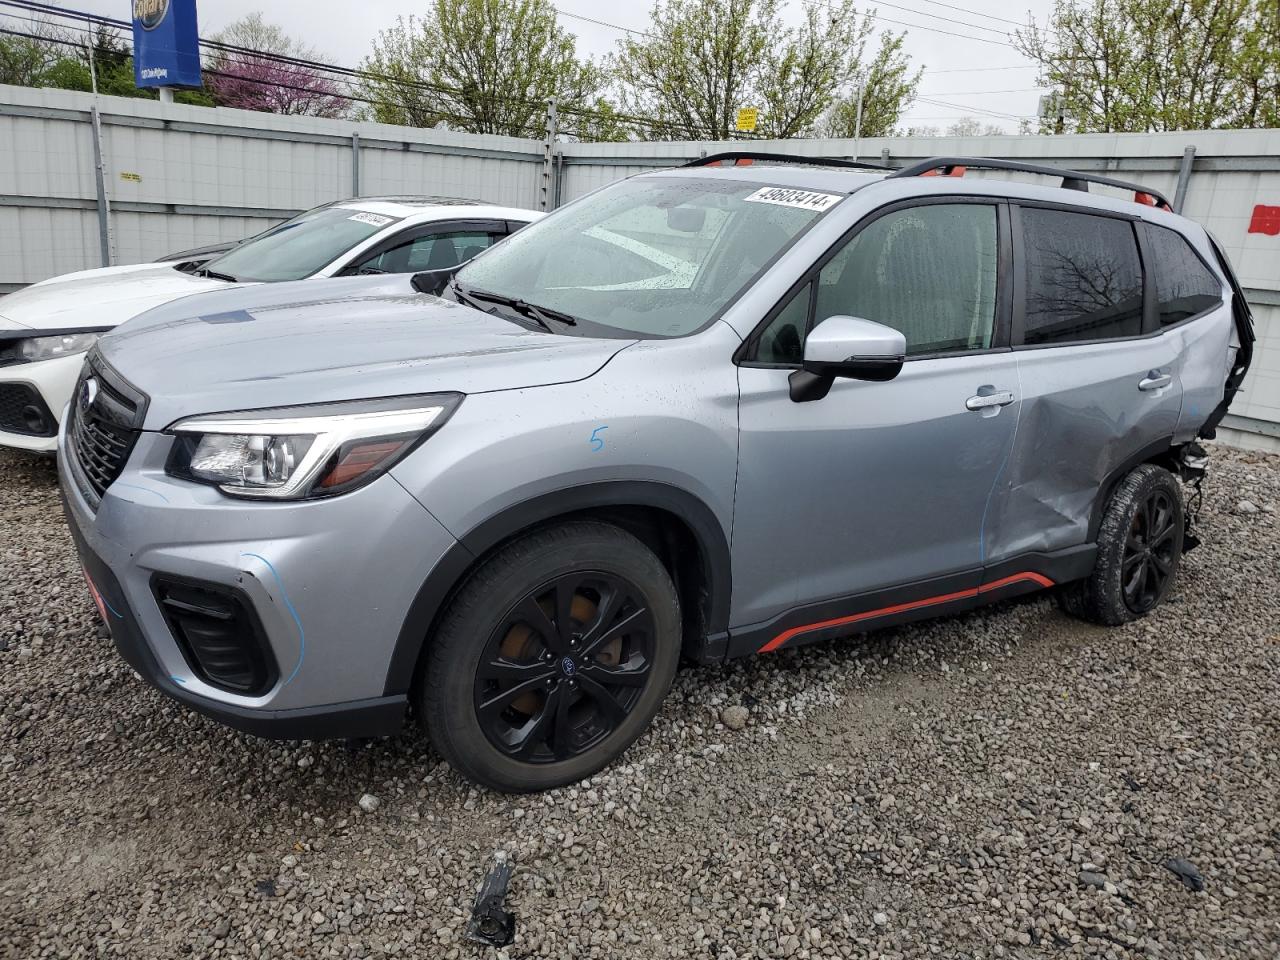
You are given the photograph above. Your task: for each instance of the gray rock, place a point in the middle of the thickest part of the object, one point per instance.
(735, 717)
(369, 803)
(1090, 879)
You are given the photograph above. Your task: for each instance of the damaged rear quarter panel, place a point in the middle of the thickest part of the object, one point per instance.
(1082, 416)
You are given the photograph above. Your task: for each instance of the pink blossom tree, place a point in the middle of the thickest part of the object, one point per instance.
(249, 77)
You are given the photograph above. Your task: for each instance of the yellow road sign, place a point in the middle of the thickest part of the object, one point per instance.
(747, 117)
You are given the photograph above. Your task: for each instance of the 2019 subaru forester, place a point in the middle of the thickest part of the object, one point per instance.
(707, 412)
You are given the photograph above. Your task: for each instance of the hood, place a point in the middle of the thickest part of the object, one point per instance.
(285, 344)
(96, 299)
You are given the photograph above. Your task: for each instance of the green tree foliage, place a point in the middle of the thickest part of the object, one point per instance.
(1152, 65)
(33, 48)
(483, 66)
(60, 59)
(700, 61)
(889, 88)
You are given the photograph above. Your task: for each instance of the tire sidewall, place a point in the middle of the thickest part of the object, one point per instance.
(1134, 490)
(450, 707)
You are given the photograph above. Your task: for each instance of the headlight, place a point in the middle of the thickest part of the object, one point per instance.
(59, 345)
(292, 453)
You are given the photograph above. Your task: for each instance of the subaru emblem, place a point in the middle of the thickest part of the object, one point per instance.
(88, 393)
(568, 666)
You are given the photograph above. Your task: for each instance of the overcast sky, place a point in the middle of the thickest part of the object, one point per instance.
(984, 78)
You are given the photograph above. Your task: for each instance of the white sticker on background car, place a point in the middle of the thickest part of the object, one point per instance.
(373, 219)
(805, 199)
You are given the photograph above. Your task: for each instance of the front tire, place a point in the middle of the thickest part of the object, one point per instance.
(553, 658)
(1139, 551)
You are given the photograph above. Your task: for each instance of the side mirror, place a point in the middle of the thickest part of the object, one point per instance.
(847, 347)
(433, 281)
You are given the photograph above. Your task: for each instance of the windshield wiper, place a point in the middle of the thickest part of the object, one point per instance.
(213, 275)
(539, 315)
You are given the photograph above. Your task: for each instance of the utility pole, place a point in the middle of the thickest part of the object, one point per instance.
(93, 73)
(547, 195)
(857, 118)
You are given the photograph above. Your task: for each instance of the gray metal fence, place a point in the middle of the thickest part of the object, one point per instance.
(148, 178)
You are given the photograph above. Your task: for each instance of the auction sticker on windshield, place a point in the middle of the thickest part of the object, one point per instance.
(373, 219)
(805, 199)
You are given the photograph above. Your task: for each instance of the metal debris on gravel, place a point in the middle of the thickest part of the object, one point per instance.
(933, 790)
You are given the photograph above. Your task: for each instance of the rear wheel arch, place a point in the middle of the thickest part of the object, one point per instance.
(669, 520)
(1163, 453)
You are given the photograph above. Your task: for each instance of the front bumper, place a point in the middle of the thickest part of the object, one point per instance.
(329, 581)
(45, 385)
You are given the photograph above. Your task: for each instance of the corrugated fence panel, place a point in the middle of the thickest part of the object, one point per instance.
(181, 176)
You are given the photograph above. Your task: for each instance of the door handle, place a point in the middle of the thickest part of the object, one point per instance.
(1001, 398)
(1154, 381)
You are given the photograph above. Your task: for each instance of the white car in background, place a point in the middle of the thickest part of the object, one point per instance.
(46, 328)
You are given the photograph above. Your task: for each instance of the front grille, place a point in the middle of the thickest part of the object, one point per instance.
(219, 635)
(106, 414)
(23, 410)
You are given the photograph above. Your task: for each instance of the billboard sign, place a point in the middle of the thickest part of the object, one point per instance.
(166, 43)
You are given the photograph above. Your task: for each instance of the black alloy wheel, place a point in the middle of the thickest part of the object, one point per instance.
(1149, 558)
(553, 656)
(565, 666)
(1139, 550)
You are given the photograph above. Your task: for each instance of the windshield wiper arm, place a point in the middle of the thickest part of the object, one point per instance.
(531, 310)
(213, 275)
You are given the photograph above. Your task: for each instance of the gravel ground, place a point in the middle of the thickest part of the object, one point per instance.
(1006, 783)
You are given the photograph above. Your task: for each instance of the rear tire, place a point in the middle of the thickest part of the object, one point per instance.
(552, 659)
(1139, 551)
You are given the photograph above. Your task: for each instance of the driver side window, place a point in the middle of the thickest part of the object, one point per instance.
(928, 271)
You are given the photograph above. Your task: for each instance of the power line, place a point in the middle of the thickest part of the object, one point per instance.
(1024, 66)
(976, 13)
(997, 114)
(937, 16)
(873, 16)
(975, 93)
(601, 23)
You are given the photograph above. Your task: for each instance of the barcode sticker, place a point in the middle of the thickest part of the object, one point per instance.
(373, 219)
(805, 199)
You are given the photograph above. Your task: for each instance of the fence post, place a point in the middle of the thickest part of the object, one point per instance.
(548, 159)
(100, 182)
(355, 164)
(884, 156)
(1184, 178)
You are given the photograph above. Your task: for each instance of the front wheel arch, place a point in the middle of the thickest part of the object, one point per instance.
(668, 518)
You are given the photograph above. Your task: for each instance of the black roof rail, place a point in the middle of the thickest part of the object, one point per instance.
(737, 155)
(1071, 179)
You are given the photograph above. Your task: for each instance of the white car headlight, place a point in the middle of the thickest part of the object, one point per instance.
(294, 453)
(58, 345)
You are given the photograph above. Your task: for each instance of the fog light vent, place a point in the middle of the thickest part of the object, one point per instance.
(219, 634)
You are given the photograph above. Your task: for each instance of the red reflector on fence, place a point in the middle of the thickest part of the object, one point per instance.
(1265, 220)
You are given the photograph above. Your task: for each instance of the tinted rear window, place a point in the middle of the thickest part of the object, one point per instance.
(1184, 285)
(1083, 277)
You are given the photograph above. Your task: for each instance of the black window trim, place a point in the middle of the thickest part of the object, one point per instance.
(1145, 233)
(1150, 307)
(497, 228)
(1001, 331)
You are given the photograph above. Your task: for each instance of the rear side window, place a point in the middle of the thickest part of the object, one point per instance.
(1185, 287)
(1083, 277)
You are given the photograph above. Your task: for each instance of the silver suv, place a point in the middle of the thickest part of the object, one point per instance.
(706, 413)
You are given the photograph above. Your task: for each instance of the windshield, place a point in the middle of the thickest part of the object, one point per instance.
(649, 257)
(299, 247)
